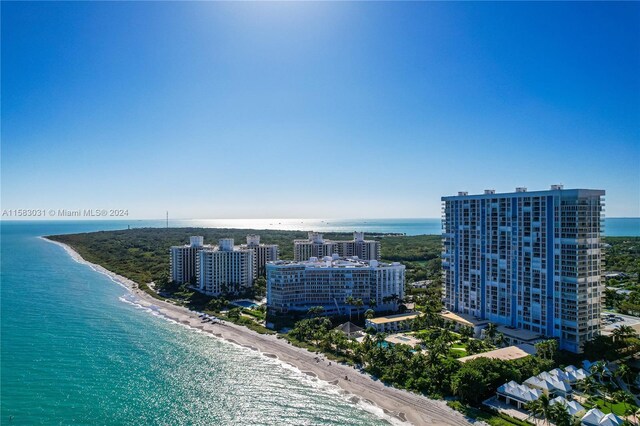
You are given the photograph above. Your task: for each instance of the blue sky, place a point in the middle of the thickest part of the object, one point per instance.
(244, 110)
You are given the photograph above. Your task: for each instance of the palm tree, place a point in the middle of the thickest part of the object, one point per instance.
(623, 372)
(629, 412)
(358, 303)
(623, 332)
(369, 313)
(598, 369)
(315, 310)
(447, 336)
(474, 346)
(490, 331)
(587, 385)
(560, 415)
(607, 394)
(466, 331)
(233, 314)
(349, 301)
(625, 397)
(547, 349)
(380, 338)
(540, 408)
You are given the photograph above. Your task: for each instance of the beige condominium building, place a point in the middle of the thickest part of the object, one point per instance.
(316, 246)
(263, 253)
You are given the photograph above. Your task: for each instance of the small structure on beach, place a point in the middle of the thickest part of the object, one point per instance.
(350, 329)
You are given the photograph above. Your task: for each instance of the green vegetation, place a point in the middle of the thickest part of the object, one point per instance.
(623, 293)
(623, 255)
(430, 368)
(490, 417)
(142, 254)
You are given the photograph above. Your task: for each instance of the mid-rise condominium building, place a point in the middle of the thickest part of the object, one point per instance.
(184, 260)
(225, 268)
(263, 253)
(317, 246)
(328, 282)
(359, 247)
(526, 260)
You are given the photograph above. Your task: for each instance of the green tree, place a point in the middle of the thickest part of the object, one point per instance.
(349, 301)
(315, 311)
(624, 373)
(547, 349)
(468, 385)
(474, 346)
(234, 314)
(466, 331)
(598, 369)
(358, 303)
(490, 331)
(623, 332)
(559, 414)
(540, 408)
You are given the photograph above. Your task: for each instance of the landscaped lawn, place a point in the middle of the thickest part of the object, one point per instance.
(618, 408)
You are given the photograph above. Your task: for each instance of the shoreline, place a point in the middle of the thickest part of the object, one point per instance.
(398, 405)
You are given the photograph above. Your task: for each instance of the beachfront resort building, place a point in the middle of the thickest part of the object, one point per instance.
(392, 323)
(225, 268)
(185, 260)
(263, 253)
(330, 281)
(316, 246)
(526, 260)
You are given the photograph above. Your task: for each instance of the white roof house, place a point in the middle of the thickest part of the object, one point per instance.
(538, 383)
(574, 374)
(610, 420)
(549, 384)
(573, 407)
(595, 417)
(559, 374)
(520, 393)
(592, 417)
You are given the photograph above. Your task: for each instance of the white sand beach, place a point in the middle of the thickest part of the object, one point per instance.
(399, 404)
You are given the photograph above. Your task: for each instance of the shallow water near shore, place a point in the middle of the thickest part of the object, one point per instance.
(78, 349)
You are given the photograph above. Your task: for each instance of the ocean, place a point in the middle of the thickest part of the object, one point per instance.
(76, 349)
(614, 227)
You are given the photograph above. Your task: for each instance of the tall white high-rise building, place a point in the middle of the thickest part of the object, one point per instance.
(328, 282)
(184, 260)
(317, 246)
(527, 260)
(225, 268)
(263, 253)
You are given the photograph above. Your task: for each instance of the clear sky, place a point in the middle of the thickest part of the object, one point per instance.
(311, 110)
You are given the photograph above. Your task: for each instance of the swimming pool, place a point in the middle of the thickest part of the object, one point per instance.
(245, 303)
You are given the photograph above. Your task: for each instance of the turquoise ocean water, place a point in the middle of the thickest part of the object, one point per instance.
(76, 350)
